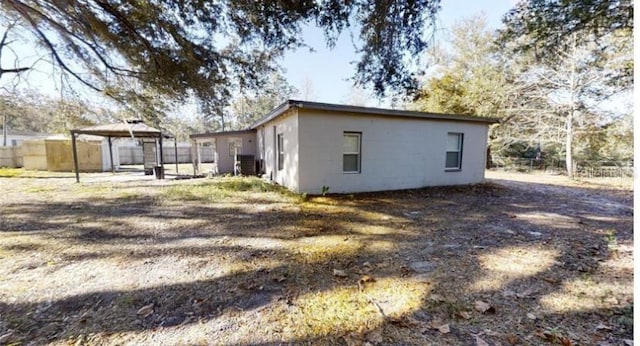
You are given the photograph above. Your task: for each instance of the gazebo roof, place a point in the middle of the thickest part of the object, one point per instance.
(128, 129)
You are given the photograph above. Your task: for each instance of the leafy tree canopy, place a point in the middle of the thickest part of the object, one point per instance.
(545, 25)
(208, 49)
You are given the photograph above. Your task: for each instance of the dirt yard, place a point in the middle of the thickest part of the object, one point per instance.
(519, 260)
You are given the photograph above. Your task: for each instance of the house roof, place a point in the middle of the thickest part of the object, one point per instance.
(21, 133)
(329, 107)
(136, 129)
(223, 133)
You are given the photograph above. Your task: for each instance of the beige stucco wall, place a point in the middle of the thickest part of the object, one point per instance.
(11, 156)
(397, 153)
(34, 154)
(287, 124)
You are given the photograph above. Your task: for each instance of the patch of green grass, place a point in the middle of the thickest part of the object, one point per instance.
(6, 172)
(127, 195)
(218, 189)
(40, 189)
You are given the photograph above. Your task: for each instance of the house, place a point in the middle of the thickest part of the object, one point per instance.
(15, 137)
(221, 148)
(316, 147)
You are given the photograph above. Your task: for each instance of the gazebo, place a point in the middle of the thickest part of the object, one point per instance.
(132, 128)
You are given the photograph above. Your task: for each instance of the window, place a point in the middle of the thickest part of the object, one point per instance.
(280, 151)
(235, 143)
(351, 152)
(454, 151)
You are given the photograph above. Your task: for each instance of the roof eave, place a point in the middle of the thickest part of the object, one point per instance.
(369, 110)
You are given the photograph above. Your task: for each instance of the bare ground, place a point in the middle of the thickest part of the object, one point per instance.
(522, 259)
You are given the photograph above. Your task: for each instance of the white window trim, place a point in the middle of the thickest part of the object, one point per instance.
(359, 152)
(280, 151)
(459, 151)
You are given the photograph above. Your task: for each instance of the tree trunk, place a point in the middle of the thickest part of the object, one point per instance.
(571, 114)
(569, 144)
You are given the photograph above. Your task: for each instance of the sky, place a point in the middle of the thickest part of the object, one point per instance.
(327, 71)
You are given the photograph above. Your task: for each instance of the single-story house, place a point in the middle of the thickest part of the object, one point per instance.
(316, 147)
(221, 149)
(15, 137)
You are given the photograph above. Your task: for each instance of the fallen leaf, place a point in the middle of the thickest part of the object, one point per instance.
(483, 307)
(565, 341)
(491, 332)
(437, 298)
(480, 342)
(531, 316)
(628, 342)
(465, 315)
(146, 310)
(525, 294)
(280, 279)
(603, 327)
(339, 273)
(513, 339)
(444, 329)
(4, 338)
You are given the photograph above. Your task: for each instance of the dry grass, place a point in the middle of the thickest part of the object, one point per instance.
(237, 261)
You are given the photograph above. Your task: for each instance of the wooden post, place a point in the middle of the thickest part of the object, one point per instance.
(75, 155)
(198, 159)
(161, 159)
(175, 149)
(110, 154)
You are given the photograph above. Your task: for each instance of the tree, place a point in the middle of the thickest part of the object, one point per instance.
(30, 111)
(306, 92)
(548, 24)
(582, 56)
(248, 108)
(471, 76)
(357, 96)
(211, 49)
(563, 98)
(4, 45)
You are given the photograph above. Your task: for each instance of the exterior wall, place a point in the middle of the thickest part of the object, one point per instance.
(286, 124)
(11, 156)
(396, 153)
(225, 161)
(34, 154)
(59, 156)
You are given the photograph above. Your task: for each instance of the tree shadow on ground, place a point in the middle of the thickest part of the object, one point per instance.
(446, 237)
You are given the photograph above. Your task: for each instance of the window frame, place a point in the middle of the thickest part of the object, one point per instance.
(460, 136)
(280, 150)
(358, 153)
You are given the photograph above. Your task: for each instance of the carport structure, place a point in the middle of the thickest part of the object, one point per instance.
(135, 129)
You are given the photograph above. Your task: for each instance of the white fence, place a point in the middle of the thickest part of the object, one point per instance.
(132, 155)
